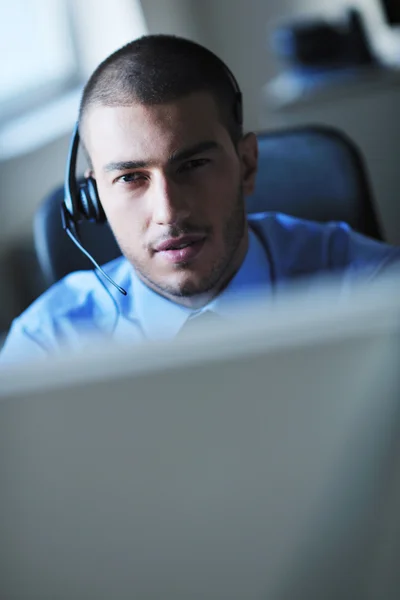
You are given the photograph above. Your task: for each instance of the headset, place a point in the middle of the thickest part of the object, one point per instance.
(81, 199)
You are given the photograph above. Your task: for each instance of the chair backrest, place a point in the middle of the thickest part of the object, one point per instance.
(314, 173)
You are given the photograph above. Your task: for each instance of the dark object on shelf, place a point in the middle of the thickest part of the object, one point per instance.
(391, 10)
(324, 44)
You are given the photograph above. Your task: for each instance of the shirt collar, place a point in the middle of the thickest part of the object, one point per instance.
(161, 318)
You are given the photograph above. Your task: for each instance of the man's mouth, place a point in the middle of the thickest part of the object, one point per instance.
(181, 249)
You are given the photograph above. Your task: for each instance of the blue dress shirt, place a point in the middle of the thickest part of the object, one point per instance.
(82, 306)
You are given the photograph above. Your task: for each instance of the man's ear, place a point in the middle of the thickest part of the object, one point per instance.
(248, 154)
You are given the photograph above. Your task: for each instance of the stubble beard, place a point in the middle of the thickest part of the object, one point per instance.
(221, 271)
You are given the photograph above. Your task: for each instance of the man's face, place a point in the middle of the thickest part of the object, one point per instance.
(172, 186)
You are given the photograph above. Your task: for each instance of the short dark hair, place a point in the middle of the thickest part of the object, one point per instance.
(158, 69)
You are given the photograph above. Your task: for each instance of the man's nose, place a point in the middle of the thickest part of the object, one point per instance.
(170, 203)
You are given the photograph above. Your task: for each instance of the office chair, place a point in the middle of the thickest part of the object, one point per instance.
(311, 172)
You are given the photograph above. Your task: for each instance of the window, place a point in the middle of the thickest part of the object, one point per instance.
(49, 48)
(102, 26)
(38, 54)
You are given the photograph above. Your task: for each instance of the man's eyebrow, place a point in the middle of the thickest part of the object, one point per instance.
(126, 165)
(193, 150)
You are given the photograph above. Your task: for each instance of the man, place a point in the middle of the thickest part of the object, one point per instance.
(161, 125)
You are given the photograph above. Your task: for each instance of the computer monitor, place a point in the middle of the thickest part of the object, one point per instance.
(255, 461)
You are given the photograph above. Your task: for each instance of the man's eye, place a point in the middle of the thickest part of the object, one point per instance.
(131, 178)
(190, 165)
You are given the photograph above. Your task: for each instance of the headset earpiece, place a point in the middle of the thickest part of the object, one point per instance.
(89, 202)
(81, 199)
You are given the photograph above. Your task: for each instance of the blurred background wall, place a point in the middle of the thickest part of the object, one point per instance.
(34, 139)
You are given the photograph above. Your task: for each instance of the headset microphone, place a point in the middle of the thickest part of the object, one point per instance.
(81, 202)
(68, 230)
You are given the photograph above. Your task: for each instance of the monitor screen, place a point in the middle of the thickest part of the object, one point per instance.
(251, 462)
